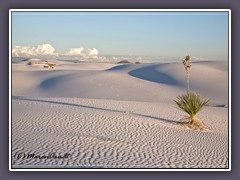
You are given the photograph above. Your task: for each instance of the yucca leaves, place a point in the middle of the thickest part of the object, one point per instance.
(191, 103)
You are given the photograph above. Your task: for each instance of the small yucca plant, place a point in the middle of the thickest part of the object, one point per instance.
(191, 103)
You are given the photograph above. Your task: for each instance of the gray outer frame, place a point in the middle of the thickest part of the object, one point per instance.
(5, 5)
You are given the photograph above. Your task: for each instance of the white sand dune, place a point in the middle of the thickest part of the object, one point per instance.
(117, 116)
(144, 82)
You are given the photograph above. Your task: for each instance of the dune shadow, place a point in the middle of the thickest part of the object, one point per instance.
(219, 105)
(51, 82)
(163, 119)
(62, 103)
(48, 83)
(97, 108)
(150, 73)
(119, 67)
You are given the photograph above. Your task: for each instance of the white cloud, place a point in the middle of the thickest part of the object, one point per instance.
(92, 52)
(39, 50)
(199, 58)
(75, 52)
(82, 52)
(44, 50)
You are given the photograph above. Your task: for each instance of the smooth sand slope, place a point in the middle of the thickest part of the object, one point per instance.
(117, 116)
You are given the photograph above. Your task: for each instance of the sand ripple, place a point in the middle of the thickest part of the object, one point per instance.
(114, 134)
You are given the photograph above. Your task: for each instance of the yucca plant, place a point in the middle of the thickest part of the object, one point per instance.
(191, 103)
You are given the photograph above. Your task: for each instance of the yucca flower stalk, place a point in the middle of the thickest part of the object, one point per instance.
(187, 65)
(191, 103)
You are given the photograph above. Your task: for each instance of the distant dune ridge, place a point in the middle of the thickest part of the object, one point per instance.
(117, 115)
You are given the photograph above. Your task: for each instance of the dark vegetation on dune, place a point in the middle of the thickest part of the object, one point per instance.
(123, 62)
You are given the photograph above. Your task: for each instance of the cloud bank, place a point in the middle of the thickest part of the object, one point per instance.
(44, 50)
(199, 58)
(86, 53)
(83, 54)
(28, 51)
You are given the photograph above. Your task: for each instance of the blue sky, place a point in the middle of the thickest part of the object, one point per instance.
(170, 34)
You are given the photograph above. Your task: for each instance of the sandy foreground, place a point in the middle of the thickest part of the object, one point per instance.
(100, 115)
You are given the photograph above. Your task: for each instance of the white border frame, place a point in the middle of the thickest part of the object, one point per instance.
(119, 10)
